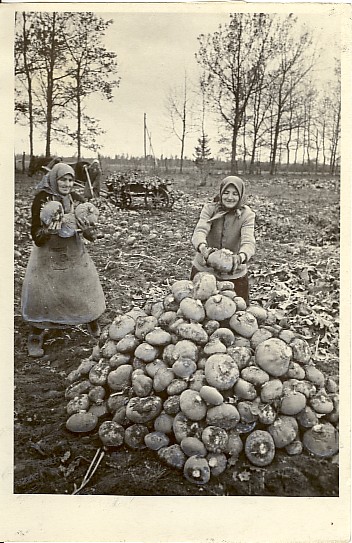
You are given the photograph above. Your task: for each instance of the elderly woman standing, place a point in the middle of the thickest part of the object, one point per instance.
(61, 285)
(226, 223)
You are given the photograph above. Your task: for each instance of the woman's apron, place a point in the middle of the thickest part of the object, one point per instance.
(61, 284)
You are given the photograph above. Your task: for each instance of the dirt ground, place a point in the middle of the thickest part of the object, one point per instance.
(295, 270)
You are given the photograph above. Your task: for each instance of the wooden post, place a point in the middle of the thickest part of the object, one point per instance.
(145, 141)
(23, 162)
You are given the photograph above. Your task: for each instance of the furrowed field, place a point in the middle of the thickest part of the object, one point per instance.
(295, 271)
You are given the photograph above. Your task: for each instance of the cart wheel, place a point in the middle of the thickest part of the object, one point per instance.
(158, 198)
(126, 199)
(114, 199)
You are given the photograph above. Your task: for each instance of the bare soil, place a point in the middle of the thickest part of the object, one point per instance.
(295, 269)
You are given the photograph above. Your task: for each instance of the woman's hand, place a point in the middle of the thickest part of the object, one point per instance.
(82, 223)
(237, 261)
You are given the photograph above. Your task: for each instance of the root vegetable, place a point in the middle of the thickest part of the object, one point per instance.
(259, 312)
(120, 378)
(283, 430)
(270, 391)
(87, 211)
(173, 456)
(182, 289)
(234, 444)
(142, 385)
(192, 446)
(193, 331)
(172, 405)
(273, 356)
(321, 403)
(204, 286)
(158, 337)
(77, 388)
(196, 470)
(80, 403)
(164, 423)
(142, 410)
(314, 375)
(293, 403)
(144, 325)
(267, 414)
(301, 350)
(97, 394)
(211, 395)
(294, 448)
(260, 448)
(156, 440)
(215, 439)
(259, 336)
(244, 324)
(217, 463)
(111, 434)
(244, 390)
(219, 307)
(162, 379)
(81, 422)
(184, 367)
(248, 411)
(192, 405)
(119, 359)
(146, 352)
(183, 427)
(127, 344)
(214, 346)
(98, 375)
(225, 335)
(322, 440)
(307, 418)
(255, 375)
(176, 387)
(224, 416)
(120, 327)
(221, 371)
(192, 309)
(135, 435)
(241, 355)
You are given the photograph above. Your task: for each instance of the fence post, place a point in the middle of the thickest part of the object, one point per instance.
(23, 161)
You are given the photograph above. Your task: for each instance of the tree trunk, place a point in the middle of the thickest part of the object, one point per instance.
(276, 139)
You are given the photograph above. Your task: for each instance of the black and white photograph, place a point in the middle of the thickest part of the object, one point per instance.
(180, 260)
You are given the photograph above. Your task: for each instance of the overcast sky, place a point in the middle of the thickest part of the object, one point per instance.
(154, 50)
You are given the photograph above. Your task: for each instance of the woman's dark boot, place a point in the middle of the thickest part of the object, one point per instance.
(35, 343)
(94, 328)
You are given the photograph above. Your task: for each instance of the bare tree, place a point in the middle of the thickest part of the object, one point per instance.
(233, 59)
(91, 66)
(179, 108)
(292, 65)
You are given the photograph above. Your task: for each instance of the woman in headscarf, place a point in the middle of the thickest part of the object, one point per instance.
(61, 285)
(226, 223)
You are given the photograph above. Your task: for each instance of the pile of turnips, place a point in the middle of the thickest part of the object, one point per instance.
(202, 379)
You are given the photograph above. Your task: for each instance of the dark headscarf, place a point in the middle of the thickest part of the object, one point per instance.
(49, 185)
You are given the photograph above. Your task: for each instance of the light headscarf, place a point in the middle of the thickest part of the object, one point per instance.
(225, 183)
(49, 184)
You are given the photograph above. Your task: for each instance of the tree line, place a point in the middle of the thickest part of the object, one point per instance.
(60, 60)
(258, 77)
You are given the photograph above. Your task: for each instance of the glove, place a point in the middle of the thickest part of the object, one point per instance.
(90, 233)
(236, 262)
(205, 251)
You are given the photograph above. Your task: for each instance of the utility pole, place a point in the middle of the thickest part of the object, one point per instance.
(145, 141)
